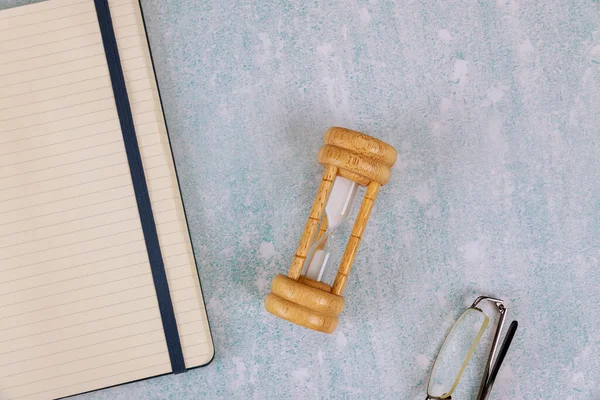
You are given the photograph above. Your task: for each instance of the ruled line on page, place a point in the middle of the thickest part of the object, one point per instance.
(67, 187)
(85, 276)
(86, 358)
(73, 255)
(59, 177)
(69, 95)
(99, 355)
(47, 32)
(81, 230)
(52, 54)
(81, 136)
(39, 11)
(77, 116)
(132, 288)
(108, 317)
(106, 108)
(69, 198)
(154, 318)
(147, 273)
(91, 251)
(92, 368)
(95, 344)
(115, 375)
(37, 227)
(82, 206)
(92, 263)
(75, 231)
(53, 20)
(100, 66)
(72, 243)
(60, 154)
(59, 97)
(74, 278)
(111, 96)
(93, 23)
(59, 108)
(52, 77)
(62, 40)
(92, 344)
(87, 334)
(152, 296)
(47, 180)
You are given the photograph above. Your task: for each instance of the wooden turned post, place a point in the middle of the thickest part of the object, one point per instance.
(322, 229)
(307, 302)
(357, 231)
(313, 220)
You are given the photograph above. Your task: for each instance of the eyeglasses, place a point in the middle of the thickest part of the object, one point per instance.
(459, 346)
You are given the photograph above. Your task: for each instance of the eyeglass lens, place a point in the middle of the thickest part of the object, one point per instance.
(456, 351)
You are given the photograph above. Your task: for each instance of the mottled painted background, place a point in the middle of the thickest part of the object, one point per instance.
(494, 108)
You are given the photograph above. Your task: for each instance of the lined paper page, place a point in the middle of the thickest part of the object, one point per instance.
(78, 309)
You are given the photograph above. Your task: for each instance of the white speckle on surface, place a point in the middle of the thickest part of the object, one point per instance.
(438, 129)
(445, 105)
(215, 306)
(525, 50)
(266, 41)
(496, 93)
(267, 48)
(423, 194)
(495, 137)
(444, 36)
(300, 375)
(266, 250)
(365, 16)
(433, 212)
(340, 339)
(441, 300)
(240, 373)
(337, 97)
(325, 49)
(473, 252)
(262, 283)
(578, 378)
(422, 361)
(461, 71)
(373, 62)
(506, 380)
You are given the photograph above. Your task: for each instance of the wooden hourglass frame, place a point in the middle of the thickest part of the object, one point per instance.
(308, 302)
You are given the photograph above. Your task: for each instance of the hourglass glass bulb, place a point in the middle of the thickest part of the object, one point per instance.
(337, 210)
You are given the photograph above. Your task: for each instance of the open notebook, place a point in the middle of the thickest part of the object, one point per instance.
(79, 308)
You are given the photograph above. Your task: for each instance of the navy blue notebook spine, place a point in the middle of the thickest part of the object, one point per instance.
(138, 177)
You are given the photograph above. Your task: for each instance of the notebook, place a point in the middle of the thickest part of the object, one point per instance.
(98, 282)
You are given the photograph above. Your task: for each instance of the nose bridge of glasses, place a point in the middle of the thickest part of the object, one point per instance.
(498, 302)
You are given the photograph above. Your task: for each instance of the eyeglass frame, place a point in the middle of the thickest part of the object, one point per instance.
(488, 379)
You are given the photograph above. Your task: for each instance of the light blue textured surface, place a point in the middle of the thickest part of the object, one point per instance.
(494, 108)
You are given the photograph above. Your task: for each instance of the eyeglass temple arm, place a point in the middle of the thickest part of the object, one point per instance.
(510, 333)
(491, 357)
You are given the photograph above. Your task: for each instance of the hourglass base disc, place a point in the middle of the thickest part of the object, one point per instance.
(300, 315)
(304, 305)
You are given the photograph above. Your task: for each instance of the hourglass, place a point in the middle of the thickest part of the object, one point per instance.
(351, 159)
